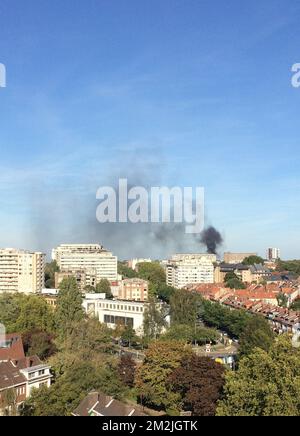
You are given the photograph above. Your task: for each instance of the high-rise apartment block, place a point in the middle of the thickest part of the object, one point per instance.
(89, 258)
(273, 253)
(186, 269)
(21, 271)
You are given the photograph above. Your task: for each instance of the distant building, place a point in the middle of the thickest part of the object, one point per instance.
(258, 273)
(236, 257)
(273, 254)
(117, 312)
(99, 404)
(133, 290)
(186, 269)
(222, 269)
(21, 271)
(90, 258)
(83, 278)
(133, 264)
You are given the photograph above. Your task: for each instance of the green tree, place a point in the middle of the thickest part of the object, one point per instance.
(154, 320)
(90, 289)
(10, 311)
(267, 383)
(50, 270)
(257, 334)
(8, 402)
(296, 305)
(184, 308)
(215, 315)
(190, 334)
(253, 260)
(282, 300)
(125, 271)
(34, 314)
(103, 287)
(153, 273)
(164, 292)
(235, 284)
(200, 381)
(69, 306)
(292, 266)
(129, 335)
(69, 390)
(161, 359)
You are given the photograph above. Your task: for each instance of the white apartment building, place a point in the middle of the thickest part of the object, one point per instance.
(273, 253)
(89, 258)
(186, 269)
(21, 271)
(114, 313)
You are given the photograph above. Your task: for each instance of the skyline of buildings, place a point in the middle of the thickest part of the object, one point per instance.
(24, 271)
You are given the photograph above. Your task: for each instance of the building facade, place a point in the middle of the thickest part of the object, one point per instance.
(236, 257)
(19, 374)
(21, 271)
(186, 269)
(116, 313)
(92, 259)
(273, 254)
(133, 290)
(83, 278)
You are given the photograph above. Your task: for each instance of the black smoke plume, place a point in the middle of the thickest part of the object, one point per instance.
(212, 239)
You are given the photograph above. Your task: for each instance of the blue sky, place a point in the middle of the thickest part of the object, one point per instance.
(175, 92)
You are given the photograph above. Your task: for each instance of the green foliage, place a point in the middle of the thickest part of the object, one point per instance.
(154, 320)
(50, 270)
(232, 281)
(104, 288)
(292, 266)
(161, 359)
(296, 305)
(129, 335)
(190, 334)
(152, 272)
(90, 289)
(10, 307)
(164, 292)
(267, 383)
(257, 334)
(282, 300)
(125, 271)
(69, 390)
(69, 306)
(252, 260)
(184, 307)
(232, 322)
(24, 313)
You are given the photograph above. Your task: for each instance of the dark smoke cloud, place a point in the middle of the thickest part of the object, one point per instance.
(66, 212)
(212, 239)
